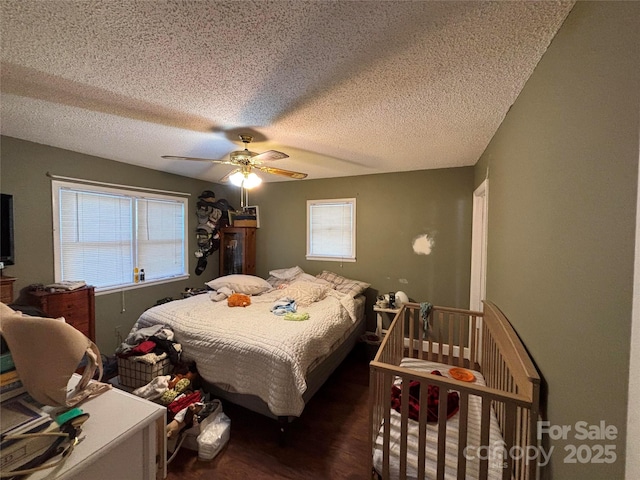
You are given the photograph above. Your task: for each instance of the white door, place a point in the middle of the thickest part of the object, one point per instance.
(479, 247)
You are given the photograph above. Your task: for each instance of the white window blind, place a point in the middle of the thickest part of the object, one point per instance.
(160, 238)
(102, 234)
(331, 229)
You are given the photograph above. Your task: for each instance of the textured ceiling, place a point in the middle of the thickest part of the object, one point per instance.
(343, 87)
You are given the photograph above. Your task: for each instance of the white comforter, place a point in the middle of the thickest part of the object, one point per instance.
(250, 349)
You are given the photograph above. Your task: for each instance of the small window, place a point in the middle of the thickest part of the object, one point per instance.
(101, 234)
(331, 229)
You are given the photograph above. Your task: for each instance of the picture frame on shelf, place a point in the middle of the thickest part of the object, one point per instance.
(253, 210)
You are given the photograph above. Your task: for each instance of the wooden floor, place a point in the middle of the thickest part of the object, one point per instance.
(329, 440)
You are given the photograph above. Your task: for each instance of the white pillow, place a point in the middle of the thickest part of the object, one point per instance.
(344, 285)
(247, 284)
(305, 277)
(287, 273)
(305, 293)
(276, 282)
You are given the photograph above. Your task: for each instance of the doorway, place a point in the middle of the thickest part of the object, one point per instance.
(479, 247)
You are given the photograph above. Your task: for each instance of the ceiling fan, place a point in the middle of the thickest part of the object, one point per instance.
(246, 161)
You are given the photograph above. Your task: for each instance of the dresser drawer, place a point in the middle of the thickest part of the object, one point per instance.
(68, 305)
(83, 327)
(6, 296)
(77, 307)
(6, 289)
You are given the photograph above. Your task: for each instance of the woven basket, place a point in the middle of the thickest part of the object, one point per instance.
(137, 374)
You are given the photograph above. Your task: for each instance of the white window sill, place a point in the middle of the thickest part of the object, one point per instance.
(133, 286)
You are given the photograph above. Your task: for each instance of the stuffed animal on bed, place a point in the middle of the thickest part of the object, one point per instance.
(238, 300)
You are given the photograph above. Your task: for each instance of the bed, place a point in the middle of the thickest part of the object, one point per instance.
(483, 370)
(255, 358)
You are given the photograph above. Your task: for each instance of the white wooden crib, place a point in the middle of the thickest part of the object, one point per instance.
(488, 437)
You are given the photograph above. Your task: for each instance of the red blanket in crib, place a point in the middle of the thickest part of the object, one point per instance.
(433, 400)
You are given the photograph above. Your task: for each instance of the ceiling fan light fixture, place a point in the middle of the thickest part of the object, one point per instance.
(245, 180)
(252, 181)
(237, 179)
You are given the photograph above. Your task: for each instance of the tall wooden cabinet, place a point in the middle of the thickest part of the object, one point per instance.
(238, 250)
(76, 306)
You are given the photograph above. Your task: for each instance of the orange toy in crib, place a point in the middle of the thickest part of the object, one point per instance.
(462, 374)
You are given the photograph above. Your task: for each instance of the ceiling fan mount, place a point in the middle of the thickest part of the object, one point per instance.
(246, 139)
(246, 160)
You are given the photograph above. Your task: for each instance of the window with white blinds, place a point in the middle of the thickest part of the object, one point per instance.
(331, 229)
(101, 234)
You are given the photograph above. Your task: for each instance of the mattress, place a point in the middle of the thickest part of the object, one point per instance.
(451, 455)
(250, 350)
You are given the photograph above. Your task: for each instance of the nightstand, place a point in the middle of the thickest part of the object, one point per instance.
(380, 312)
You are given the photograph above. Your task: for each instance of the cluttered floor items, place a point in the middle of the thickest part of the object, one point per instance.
(194, 421)
(146, 354)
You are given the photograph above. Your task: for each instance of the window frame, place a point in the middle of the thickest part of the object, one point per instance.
(351, 257)
(122, 191)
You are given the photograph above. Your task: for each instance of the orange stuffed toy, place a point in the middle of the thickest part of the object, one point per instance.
(238, 300)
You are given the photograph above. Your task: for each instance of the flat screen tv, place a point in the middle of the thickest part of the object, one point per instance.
(6, 229)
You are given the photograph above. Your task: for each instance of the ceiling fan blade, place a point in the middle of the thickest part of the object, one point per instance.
(269, 156)
(226, 177)
(171, 157)
(279, 171)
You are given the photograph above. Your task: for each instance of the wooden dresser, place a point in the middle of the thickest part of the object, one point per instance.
(76, 306)
(6, 289)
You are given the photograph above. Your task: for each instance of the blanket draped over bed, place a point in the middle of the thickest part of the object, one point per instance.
(251, 350)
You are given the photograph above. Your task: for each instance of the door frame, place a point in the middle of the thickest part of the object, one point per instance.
(478, 282)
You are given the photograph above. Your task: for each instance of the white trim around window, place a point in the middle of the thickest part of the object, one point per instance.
(331, 230)
(101, 233)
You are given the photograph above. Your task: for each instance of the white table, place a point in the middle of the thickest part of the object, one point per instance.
(124, 438)
(380, 331)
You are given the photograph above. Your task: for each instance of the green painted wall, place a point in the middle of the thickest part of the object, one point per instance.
(563, 171)
(23, 169)
(392, 209)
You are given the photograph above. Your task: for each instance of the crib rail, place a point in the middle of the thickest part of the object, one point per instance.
(484, 341)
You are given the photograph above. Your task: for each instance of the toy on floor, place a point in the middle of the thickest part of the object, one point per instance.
(177, 385)
(202, 426)
(183, 419)
(154, 389)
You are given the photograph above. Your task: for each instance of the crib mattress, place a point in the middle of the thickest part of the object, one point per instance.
(451, 456)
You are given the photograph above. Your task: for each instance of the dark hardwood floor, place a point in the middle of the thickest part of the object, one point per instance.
(329, 440)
